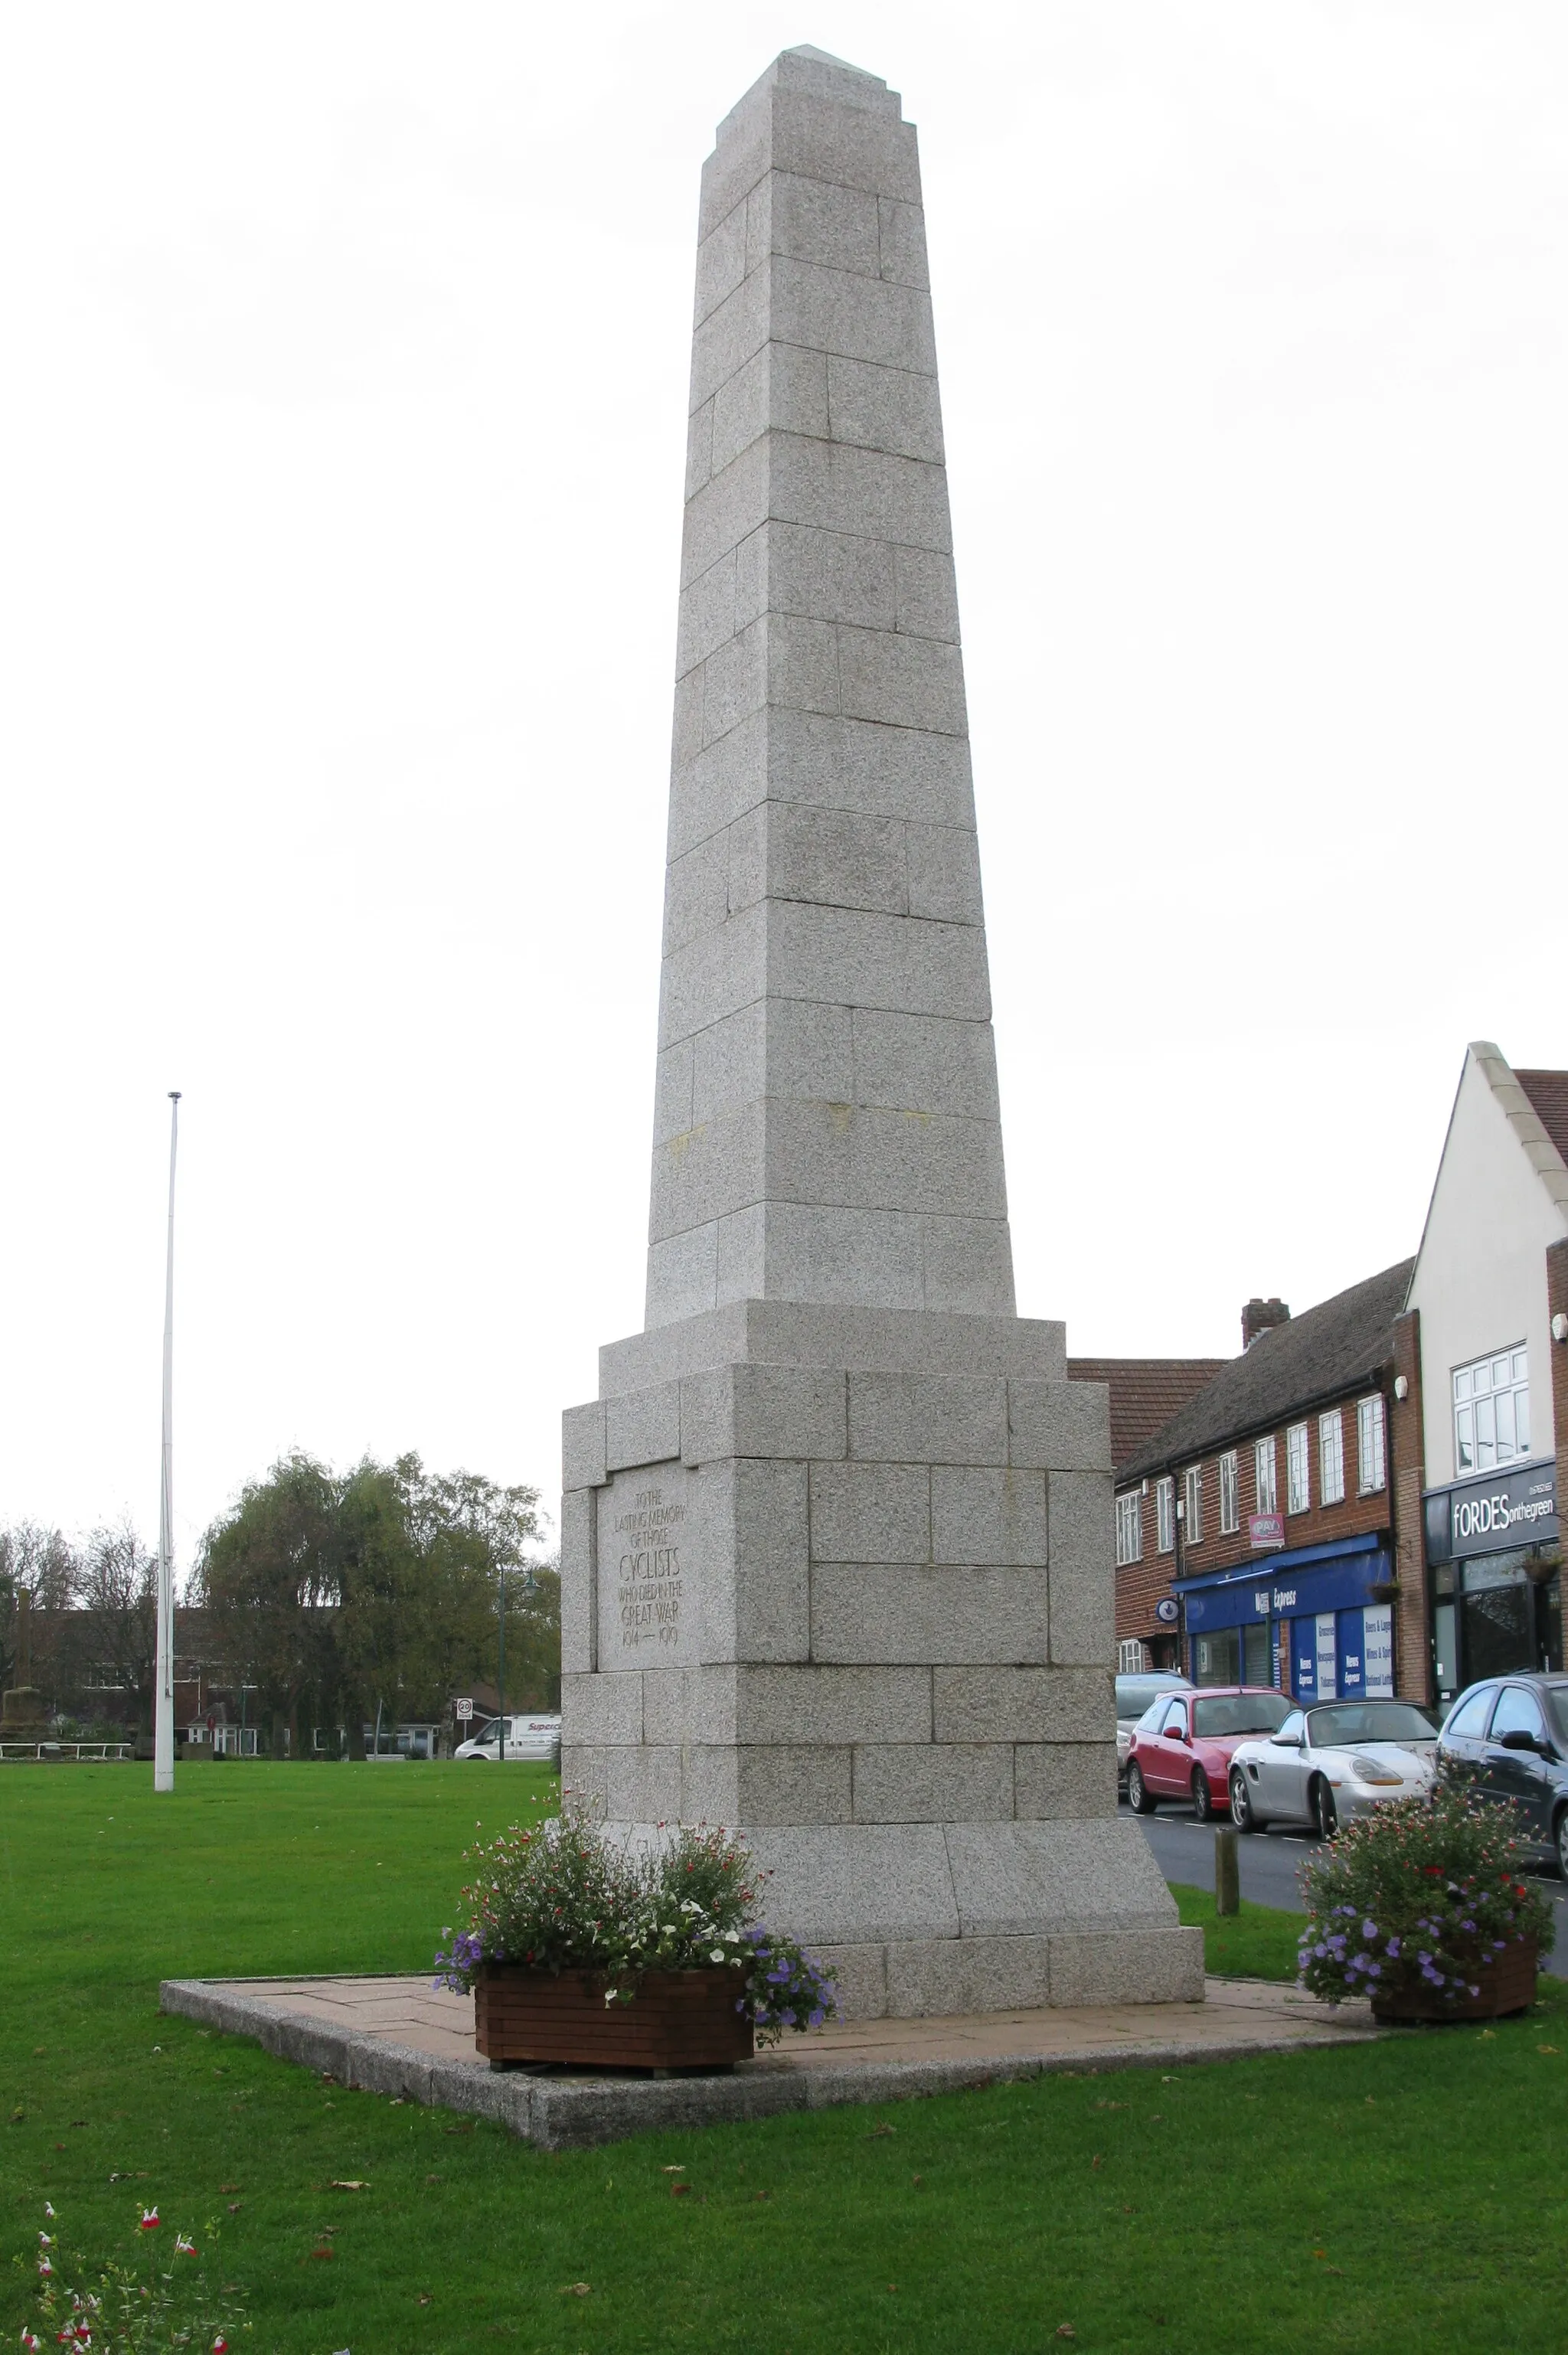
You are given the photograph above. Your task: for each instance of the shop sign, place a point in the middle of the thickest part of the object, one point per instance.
(1266, 1529)
(1165, 1610)
(1515, 1507)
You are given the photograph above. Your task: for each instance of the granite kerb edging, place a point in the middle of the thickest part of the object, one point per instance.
(563, 2115)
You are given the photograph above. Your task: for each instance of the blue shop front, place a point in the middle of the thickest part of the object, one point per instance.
(1310, 1622)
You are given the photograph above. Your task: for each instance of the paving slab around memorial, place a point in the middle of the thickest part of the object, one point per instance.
(404, 2037)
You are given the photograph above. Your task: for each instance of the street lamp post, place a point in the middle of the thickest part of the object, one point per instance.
(163, 1706)
(501, 1665)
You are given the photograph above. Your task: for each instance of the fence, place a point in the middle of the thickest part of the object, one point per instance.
(50, 1753)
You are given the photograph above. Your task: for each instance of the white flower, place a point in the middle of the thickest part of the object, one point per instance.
(733, 1936)
(717, 1956)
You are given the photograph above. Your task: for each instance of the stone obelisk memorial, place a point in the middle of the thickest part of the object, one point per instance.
(837, 1533)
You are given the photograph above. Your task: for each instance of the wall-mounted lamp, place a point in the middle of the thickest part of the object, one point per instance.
(1560, 1327)
(1401, 1388)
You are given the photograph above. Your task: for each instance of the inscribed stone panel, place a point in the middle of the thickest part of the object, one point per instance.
(647, 1573)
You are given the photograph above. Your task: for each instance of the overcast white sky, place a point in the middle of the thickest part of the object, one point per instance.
(342, 415)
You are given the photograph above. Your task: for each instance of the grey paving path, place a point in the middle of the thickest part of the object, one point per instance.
(1269, 1860)
(399, 2036)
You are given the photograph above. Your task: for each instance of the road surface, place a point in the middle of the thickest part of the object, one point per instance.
(1184, 1851)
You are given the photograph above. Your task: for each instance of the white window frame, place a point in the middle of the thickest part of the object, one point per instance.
(1479, 1390)
(1192, 1502)
(1298, 1470)
(1331, 1456)
(1230, 1495)
(1165, 1515)
(1265, 1475)
(1131, 1657)
(1130, 1529)
(1371, 1445)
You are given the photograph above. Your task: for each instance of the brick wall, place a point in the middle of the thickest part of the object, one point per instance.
(1407, 1476)
(1557, 1305)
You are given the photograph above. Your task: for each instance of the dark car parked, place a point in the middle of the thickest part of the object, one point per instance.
(1511, 1733)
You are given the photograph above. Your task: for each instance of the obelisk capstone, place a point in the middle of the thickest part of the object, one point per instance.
(837, 1533)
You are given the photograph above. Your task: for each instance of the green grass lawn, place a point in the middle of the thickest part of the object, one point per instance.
(1405, 2197)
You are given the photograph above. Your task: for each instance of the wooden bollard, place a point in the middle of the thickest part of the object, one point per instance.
(1227, 1871)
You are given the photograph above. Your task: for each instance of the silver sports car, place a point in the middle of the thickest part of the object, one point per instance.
(1329, 1764)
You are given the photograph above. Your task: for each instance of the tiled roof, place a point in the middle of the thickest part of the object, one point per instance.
(1326, 1351)
(1548, 1094)
(1144, 1393)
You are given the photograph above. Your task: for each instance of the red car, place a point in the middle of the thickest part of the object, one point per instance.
(1181, 1745)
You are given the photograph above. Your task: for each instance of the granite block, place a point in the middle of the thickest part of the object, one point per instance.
(844, 1885)
(837, 487)
(781, 386)
(944, 874)
(830, 1255)
(578, 1651)
(899, 682)
(833, 311)
(942, 1978)
(841, 957)
(791, 1782)
(861, 1979)
(642, 1427)
(796, 1332)
(913, 1611)
(754, 1581)
(715, 1167)
(881, 408)
(707, 614)
(699, 444)
(1022, 1704)
(901, 242)
(1060, 1426)
(1053, 1779)
(1160, 1964)
(682, 1277)
(813, 221)
(721, 264)
(918, 1062)
(926, 594)
(642, 1785)
(871, 1512)
(853, 764)
(733, 330)
(832, 576)
(689, 1706)
(1082, 1585)
(762, 1411)
(722, 971)
(1010, 1879)
(735, 682)
(673, 1096)
(728, 507)
(822, 139)
(833, 1705)
(912, 1418)
(843, 858)
(601, 1709)
(985, 1515)
(696, 892)
(934, 1783)
(719, 784)
(966, 1266)
(583, 1463)
(786, 1047)
(863, 1158)
(585, 1775)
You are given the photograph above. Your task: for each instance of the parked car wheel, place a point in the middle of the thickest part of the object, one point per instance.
(1325, 1816)
(1242, 1814)
(1139, 1797)
(1560, 1840)
(1202, 1796)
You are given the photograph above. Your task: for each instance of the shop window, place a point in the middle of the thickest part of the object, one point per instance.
(1491, 1411)
(1193, 1501)
(1217, 1659)
(1297, 1476)
(1165, 1515)
(1230, 1508)
(1130, 1529)
(1331, 1457)
(1264, 1467)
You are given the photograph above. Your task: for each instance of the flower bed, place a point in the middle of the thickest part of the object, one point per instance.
(1421, 1906)
(569, 1932)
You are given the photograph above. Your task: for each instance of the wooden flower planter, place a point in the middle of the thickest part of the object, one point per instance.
(1506, 1984)
(678, 2020)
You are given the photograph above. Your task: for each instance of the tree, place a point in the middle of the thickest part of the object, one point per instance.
(115, 1635)
(340, 1593)
(39, 1574)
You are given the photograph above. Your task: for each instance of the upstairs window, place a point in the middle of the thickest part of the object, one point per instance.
(1193, 1501)
(1297, 1474)
(1130, 1529)
(1230, 1507)
(1264, 1468)
(1165, 1515)
(1491, 1411)
(1371, 1474)
(1331, 1457)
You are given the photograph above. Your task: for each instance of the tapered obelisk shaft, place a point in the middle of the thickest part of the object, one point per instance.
(827, 1125)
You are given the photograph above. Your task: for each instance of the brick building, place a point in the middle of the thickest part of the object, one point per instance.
(1257, 1531)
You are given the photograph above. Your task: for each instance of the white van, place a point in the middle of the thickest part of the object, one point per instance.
(532, 1738)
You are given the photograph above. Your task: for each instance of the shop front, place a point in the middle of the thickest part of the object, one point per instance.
(1495, 1562)
(1317, 1623)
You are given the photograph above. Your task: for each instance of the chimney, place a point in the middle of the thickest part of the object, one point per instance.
(1257, 1318)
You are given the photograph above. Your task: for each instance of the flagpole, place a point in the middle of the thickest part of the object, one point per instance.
(164, 1717)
